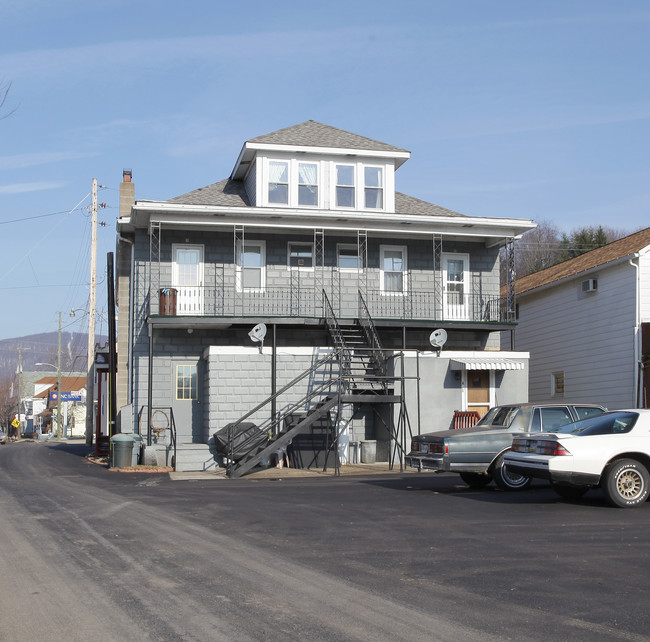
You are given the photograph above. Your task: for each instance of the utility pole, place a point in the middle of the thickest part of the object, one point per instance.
(92, 305)
(58, 385)
(93, 278)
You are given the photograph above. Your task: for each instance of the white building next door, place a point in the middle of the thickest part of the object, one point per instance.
(455, 286)
(187, 278)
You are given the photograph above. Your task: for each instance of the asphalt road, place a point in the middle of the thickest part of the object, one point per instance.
(93, 554)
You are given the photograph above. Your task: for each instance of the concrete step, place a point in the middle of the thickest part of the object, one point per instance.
(195, 457)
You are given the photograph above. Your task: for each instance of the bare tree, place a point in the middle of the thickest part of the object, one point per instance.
(8, 401)
(4, 93)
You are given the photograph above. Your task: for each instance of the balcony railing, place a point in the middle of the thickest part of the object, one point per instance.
(307, 303)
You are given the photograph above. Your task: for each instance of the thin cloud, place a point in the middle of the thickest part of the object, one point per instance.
(21, 161)
(25, 188)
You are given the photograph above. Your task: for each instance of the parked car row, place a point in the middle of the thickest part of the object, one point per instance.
(575, 446)
(477, 453)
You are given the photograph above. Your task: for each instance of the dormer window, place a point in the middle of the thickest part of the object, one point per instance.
(374, 187)
(279, 182)
(345, 186)
(308, 184)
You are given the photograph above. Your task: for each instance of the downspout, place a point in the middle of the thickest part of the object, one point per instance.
(637, 324)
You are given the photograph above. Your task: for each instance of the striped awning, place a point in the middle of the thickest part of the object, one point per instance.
(486, 363)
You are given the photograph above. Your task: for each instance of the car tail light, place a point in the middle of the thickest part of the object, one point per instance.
(551, 448)
(415, 446)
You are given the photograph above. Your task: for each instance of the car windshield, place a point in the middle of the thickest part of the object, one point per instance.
(610, 423)
(499, 416)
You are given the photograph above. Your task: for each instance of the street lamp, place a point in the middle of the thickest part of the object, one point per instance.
(58, 386)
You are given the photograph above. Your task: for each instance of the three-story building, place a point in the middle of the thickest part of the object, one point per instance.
(306, 276)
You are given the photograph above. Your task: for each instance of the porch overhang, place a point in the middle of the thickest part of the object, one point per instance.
(486, 363)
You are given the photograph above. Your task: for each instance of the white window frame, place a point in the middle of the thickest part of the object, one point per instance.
(298, 163)
(195, 368)
(293, 182)
(302, 268)
(355, 182)
(240, 267)
(348, 246)
(382, 281)
(381, 189)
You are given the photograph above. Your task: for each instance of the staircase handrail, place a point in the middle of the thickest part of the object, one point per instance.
(337, 336)
(377, 353)
(331, 357)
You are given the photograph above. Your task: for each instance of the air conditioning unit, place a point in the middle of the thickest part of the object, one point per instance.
(590, 285)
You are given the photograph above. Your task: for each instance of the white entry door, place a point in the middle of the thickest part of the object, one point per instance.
(187, 278)
(456, 286)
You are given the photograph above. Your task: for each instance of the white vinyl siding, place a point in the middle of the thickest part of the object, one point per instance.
(644, 286)
(589, 338)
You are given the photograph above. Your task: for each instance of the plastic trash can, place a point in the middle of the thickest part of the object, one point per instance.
(368, 452)
(121, 450)
(137, 449)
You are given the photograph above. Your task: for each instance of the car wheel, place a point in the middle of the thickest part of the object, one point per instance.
(506, 480)
(569, 492)
(476, 480)
(626, 483)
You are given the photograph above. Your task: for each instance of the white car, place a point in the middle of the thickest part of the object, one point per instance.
(610, 451)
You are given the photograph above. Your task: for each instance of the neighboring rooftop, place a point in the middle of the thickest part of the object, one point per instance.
(601, 256)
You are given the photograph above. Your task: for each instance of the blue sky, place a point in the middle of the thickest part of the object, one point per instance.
(509, 108)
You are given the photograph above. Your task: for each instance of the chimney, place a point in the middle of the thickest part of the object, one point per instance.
(127, 193)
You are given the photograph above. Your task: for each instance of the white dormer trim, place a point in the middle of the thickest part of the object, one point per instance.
(250, 150)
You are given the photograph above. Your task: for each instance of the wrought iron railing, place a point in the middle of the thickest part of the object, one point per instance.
(303, 302)
(377, 354)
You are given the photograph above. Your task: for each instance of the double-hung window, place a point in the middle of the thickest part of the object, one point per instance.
(393, 269)
(308, 184)
(345, 196)
(374, 187)
(251, 266)
(301, 255)
(348, 257)
(279, 182)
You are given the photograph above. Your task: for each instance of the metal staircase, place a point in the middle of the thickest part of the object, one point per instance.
(354, 372)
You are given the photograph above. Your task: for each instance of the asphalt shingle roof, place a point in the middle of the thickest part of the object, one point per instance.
(230, 193)
(600, 256)
(314, 134)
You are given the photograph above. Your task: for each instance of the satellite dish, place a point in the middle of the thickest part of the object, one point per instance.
(438, 338)
(258, 333)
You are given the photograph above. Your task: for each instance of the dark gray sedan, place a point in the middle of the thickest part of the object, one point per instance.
(477, 452)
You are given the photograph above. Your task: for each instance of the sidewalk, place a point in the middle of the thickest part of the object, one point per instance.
(346, 470)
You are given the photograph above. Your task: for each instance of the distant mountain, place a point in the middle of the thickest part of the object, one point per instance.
(44, 348)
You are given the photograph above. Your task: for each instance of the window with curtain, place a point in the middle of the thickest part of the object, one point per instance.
(308, 184)
(345, 186)
(279, 182)
(374, 187)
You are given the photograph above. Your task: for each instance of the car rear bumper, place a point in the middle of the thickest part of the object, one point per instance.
(426, 462)
(541, 470)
